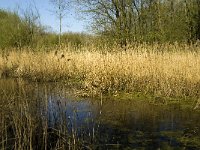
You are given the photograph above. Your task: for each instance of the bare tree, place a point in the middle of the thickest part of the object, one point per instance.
(111, 17)
(144, 20)
(32, 18)
(61, 8)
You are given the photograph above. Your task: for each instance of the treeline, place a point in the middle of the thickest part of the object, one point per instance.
(113, 21)
(17, 31)
(26, 31)
(145, 20)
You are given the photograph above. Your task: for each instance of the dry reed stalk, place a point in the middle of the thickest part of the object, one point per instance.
(161, 70)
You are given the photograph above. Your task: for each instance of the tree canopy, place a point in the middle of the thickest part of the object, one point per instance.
(120, 21)
(145, 20)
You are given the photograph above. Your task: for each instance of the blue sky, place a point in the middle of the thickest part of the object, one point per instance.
(71, 22)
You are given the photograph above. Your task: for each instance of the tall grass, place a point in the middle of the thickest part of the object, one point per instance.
(164, 70)
(25, 119)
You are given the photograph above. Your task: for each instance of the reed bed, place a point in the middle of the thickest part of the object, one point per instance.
(25, 119)
(162, 70)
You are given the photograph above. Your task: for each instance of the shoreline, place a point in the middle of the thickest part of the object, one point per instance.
(76, 90)
(168, 74)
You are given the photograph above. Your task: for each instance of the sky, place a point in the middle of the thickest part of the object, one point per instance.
(71, 23)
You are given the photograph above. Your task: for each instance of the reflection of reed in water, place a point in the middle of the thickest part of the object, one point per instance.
(197, 106)
(24, 120)
(26, 115)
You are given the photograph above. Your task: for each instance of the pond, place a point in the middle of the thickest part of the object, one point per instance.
(50, 116)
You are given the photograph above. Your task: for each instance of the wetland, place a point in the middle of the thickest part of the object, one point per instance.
(50, 116)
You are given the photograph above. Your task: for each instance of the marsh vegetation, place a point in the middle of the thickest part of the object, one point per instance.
(133, 83)
(161, 70)
(48, 116)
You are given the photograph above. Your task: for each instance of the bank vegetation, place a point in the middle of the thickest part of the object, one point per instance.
(162, 70)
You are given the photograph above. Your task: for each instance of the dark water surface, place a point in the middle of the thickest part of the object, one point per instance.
(57, 119)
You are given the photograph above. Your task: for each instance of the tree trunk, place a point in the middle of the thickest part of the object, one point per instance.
(60, 30)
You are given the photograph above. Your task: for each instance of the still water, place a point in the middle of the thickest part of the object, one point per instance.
(49, 116)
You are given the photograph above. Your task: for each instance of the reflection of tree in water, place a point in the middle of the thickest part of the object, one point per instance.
(54, 119)
(130, 125)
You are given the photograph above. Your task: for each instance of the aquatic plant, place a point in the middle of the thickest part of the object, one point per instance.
(25, 121)
(45, 116)
(160, 70)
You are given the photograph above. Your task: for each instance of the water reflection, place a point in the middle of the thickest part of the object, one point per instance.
(58, 119)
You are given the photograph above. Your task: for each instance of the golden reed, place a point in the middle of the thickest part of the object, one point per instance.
(166, 70)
